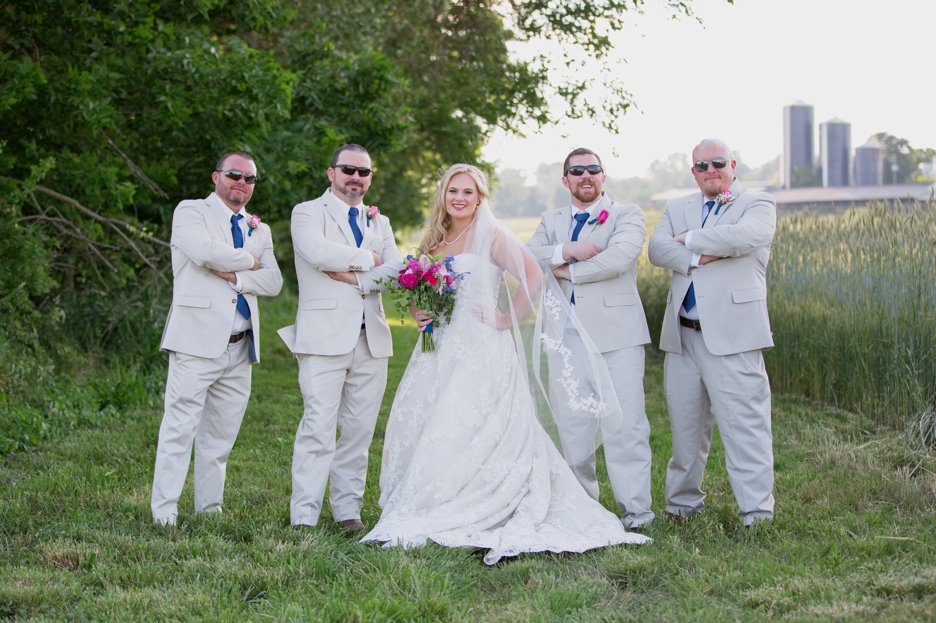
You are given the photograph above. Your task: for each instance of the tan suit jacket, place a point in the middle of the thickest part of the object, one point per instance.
(328, 321)
(731, 293)
(606, 299)
(203, 304)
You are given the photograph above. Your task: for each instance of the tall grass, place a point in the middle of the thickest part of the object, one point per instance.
(852, 300)
(853, 308)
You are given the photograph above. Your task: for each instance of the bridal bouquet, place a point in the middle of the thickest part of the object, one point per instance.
(430, 283)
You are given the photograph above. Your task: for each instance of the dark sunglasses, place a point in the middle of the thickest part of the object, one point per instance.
(348, 170)
(234, 174)
(579, 169)
(702, 165)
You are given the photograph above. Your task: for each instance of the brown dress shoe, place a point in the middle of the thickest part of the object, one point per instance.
(353, 525)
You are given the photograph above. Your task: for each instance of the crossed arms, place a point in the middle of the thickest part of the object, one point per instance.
(260, 276)
(753, 231)
(592, 262)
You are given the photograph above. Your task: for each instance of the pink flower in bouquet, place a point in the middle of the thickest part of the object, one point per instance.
(409, 281)
(430, 284)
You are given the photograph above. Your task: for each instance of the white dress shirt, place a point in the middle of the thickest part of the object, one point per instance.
(241, 324)
(693, 314)
(361, 223)
(557, 254)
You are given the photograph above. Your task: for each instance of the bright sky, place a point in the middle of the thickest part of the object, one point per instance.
(870, 64)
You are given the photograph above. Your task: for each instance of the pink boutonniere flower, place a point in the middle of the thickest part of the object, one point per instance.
(724, 198)
(372, 213)
(253, 223)
(600, 219)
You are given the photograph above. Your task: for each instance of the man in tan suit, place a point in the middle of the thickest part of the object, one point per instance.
(717, 243)
(220, 265)
(341, 339)
(596, 265)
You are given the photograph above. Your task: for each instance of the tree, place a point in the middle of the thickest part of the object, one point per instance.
(898, 151)
(767, 172)
(114, 111)
(806, 176)
(461, 81)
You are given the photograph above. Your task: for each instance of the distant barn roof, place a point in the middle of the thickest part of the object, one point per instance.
(840, 196)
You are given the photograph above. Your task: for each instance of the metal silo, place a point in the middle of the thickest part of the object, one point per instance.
(835, 151)
(797, 141)
(869, 163)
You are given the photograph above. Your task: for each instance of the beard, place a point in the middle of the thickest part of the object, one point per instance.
(711, 188)
(352, 191)
(587, 195)
(233, 198)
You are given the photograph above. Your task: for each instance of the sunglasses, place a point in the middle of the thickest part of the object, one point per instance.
(701, 166)
(348, 170)
(234, 174)
(579, 169)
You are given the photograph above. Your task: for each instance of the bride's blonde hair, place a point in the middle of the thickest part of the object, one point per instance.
(439, 219)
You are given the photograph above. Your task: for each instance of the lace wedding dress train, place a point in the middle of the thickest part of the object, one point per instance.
(466, 463)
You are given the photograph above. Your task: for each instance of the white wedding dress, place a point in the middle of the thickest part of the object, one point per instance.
(466, 463)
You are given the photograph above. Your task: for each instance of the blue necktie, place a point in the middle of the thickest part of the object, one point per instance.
(352, 221)
(581, 217)
(689, 301)
(238, 235)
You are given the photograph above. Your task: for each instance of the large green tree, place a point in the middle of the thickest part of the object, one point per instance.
(111, 112)
(463, 83)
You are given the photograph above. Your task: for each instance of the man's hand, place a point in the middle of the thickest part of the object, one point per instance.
(562, 272)
(226, 276)
(378, 261)
(580, 250)
(345, 277)
(681, 238)
(705, 259)
(256, 265)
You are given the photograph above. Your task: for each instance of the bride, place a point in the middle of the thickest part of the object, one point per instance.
(466, 461)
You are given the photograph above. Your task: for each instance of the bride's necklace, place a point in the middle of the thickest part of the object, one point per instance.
(444, 241)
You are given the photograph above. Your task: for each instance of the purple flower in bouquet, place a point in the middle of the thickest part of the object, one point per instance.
(430, 284)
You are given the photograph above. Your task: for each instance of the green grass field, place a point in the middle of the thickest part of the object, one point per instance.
(853, 539)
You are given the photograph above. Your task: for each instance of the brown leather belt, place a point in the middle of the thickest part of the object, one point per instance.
(692, 324)
(237, 337)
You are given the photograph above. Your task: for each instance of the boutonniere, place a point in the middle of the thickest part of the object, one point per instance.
(724, 198)
(600, 219)
(372, 213)
(253, 223)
